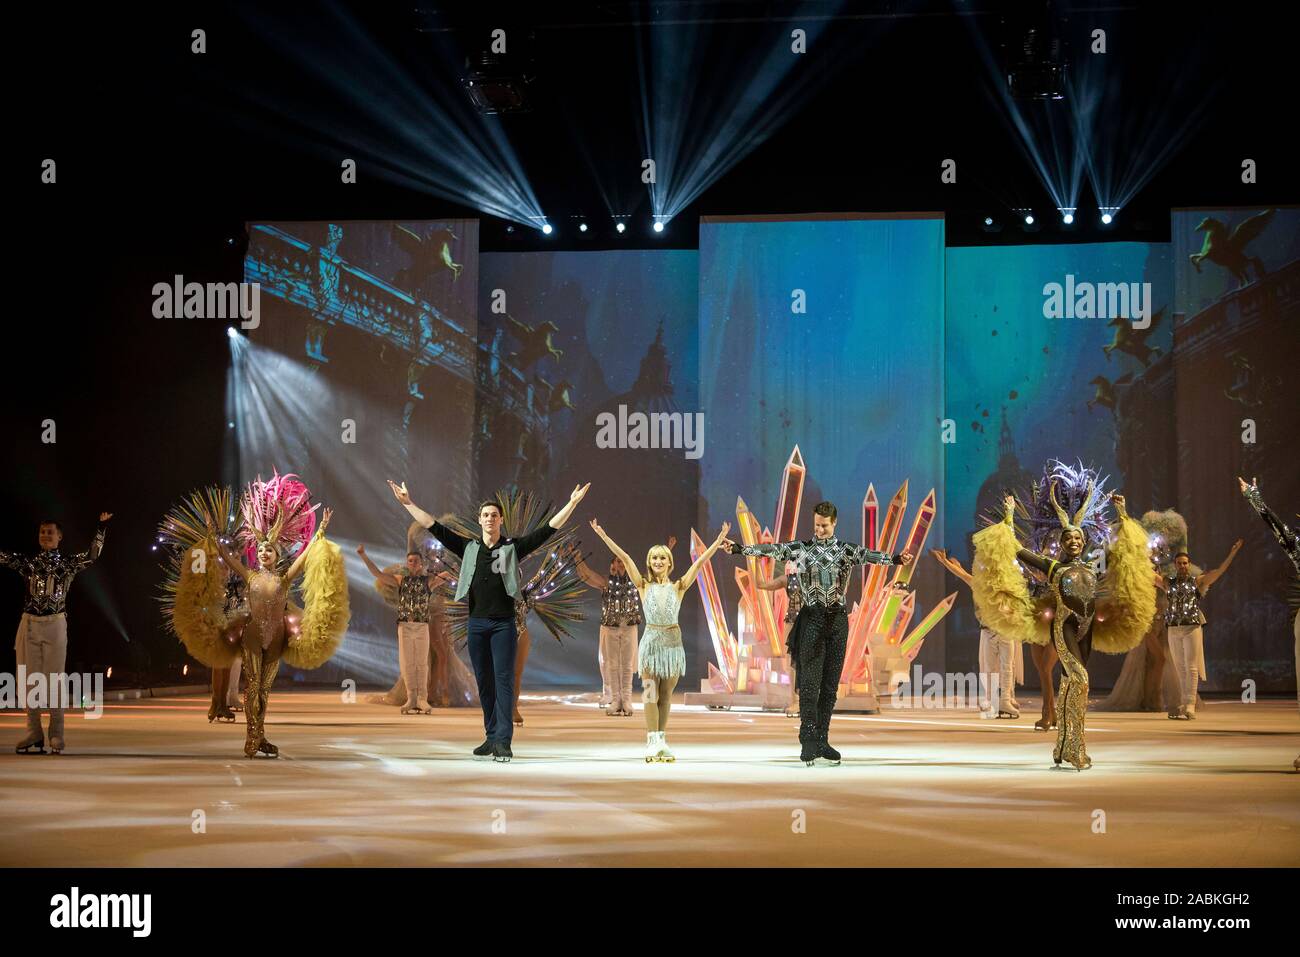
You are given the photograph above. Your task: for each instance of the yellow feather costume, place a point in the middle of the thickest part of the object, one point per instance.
(325, 617)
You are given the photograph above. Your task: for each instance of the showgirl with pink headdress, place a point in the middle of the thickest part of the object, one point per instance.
(277, 520)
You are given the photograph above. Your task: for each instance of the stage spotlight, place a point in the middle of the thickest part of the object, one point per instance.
(988, 220)
(546, 229)
(1106, 218)
(659, 226)
(1029, 219)
(1067, 215)
(582, 227)
(1108, 214)
(620, 227)
(232, 332)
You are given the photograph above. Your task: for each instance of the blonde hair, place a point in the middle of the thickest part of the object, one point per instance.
(656, 549)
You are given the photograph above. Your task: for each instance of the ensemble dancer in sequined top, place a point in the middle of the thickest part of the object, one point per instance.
(1001, 660)
(1184, 619)
(661, 658)
(489, 584)
(789, 582)
(620, 615)
(1290, 541)
(41, 644)
(1078, 623)
(413, 590)
(819, 638)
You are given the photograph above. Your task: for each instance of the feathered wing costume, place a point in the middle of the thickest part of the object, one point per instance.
(1112, 615)
(196, 584)
(1145, 683)
(461, 690)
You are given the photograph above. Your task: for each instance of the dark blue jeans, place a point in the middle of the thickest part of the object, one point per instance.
(492, 643)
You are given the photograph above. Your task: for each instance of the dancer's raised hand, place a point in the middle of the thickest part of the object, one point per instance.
(578, 492)
(722, 535)
(400, 492)
(325, 517)
(595, 527)
(906, 558)
(105, 516)
(1009, 504)
(1119, 502)
(361, 548)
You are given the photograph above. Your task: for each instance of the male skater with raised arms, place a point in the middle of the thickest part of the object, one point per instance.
(489, 583)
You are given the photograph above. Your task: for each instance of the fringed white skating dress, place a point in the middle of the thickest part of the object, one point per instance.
(661, 653)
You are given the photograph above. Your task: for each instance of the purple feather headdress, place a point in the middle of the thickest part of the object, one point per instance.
(277, 511)
(1080, 496)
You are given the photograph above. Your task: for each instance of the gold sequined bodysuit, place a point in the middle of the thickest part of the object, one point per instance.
(1075, 588)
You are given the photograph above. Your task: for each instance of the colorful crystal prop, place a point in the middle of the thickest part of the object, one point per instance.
(888, 536)
(902, 618)
(927, 623)
(786, 526)
(916, 538)
(870, 518)
(724, 646)
(751, 534)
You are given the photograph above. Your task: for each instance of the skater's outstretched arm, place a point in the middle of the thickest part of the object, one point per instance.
(450, 540)
(687, 580)
(632, 571)
(233, 561)
(953, 565)
(1209, 578)
(771, 584)
(861, 555)
(300, 562)
(562, 516)
(596, 581)
(1032, 559)
(83, 559)
(384, 578)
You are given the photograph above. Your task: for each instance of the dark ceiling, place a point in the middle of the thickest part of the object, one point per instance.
(149, 133)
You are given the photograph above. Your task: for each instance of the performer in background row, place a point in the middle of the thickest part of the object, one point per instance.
(413, 590)
(819, 637)
(489, 579)
(620, 615)
(789, 581)
(661, 658)
(1001, 660)
(1289, 540)
(1185, 618)
(41, 645)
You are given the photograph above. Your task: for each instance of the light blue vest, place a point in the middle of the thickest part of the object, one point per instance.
(509, 568)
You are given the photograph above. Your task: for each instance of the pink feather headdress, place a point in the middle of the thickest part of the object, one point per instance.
(277, 511)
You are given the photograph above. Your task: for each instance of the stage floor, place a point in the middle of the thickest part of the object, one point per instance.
(362, 785)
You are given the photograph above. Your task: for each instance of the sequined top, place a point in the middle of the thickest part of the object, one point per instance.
(1184, 601)
(413, 595)
(49, 575)
(619, 603)
(1286, 536)
(794, 601)
(824, 566)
